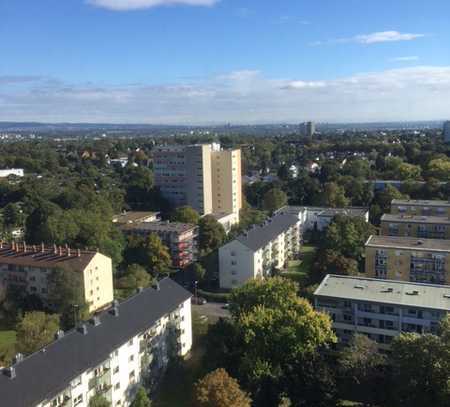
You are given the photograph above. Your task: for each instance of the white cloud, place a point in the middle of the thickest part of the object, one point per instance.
(405, 59)
(373, 38)
(122, 5)
(245, 96)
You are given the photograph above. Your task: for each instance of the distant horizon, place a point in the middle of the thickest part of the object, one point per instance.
(208, 62)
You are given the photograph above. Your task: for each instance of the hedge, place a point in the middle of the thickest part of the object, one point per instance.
(213, 297)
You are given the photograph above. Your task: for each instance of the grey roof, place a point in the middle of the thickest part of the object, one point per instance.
(390, 292)
(44, 375)
(418, 202)
(399, 218)
(133, 217)
(259, 236)
(326, 211)
(158, 227)
(409, 243)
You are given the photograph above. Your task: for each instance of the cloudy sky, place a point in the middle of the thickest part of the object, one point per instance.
(216, 61)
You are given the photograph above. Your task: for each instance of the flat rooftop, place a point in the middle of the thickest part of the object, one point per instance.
(420, 202)
(133, 216)
(409, 243)
(159, 227)
(399, 218)
(390, 292)
(327, 212)
(23, 254)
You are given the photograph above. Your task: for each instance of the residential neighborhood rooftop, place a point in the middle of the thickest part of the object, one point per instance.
(385, 291)
(420, 202)
(259, 236)
(327, 212)
(392, 217)
(46, 373)
(164, 226)
(134, 216)
(23, 254)
(408, 243)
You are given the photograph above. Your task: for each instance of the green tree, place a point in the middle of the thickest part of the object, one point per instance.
(99, 401)
(185, 214)
(12, 215)
(211, 234)
(332, 262)
(439, 168)
(134, 277)
(65, 293)
(274, 199)
(219, 389)
(35, 330)
(334, 195)
(420, 369)
(157, 255)
(409, 171)
(141, 399)
(363, 370)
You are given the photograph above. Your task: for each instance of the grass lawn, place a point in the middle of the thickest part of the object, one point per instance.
(177, 385)
(298, 270)
(7, 338)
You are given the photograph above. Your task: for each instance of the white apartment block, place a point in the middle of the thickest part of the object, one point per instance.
(201, 176)
(381, 309)
(28, 267)
(111, 355)
(255, 253)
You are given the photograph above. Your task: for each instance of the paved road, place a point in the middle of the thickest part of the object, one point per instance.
(211, 310)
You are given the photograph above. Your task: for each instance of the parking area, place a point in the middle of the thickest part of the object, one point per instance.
(211, 310)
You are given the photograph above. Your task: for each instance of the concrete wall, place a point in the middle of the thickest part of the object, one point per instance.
(98, 282)
(237, 265)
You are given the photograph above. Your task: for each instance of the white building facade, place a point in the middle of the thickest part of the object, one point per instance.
(260, 250)
(120, 349)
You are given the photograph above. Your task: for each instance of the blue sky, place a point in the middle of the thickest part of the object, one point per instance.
(215, 61)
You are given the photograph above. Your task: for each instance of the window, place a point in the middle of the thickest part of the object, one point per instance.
(132, 375)
(130, 343)
(116, 370)
(131, 358)
(117, 386)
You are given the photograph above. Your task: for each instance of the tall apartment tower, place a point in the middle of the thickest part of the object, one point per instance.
(202, 176)
(308, 129)
(226, 181)
(447, 131)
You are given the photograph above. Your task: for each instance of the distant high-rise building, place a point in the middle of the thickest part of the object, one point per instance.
(447, 131)
(202, 176)
(308, 129)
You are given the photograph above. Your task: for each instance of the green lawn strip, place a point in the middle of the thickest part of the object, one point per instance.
(7, 338)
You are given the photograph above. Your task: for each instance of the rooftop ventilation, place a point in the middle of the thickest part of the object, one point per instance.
(115, 308)
(83, 329)
(447, 296)
(414, 292)
(140, 289)
(359, 287)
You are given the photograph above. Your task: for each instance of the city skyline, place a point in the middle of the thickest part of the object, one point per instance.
(212, 62)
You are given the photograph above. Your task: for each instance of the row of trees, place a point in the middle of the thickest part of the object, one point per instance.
(280, 351)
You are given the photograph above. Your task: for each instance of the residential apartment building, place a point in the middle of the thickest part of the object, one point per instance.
(127, 345)
(28, 267)
(255, 253)
(408, 259)
(428, 227)
(308, 129)
(17, 172)
(381, 309)
(201, 176)
(420, 207)
(180, 238)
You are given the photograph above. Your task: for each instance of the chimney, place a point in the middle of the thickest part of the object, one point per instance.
(140, 289)
(78, 252)
(83, 329)
(59, 334)
(60, 251)
(42, 247)
(1, 244)
(10, 372)
(157, 287)
(68, 252)
(55, 249)
(24, 247)
(115, 308)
